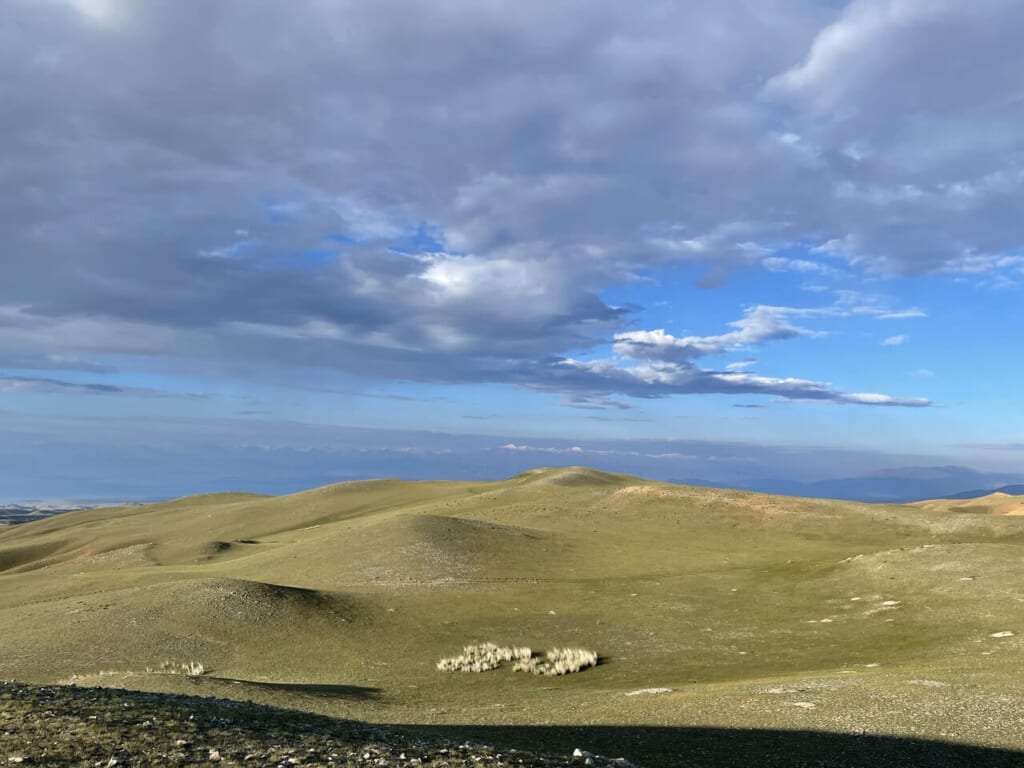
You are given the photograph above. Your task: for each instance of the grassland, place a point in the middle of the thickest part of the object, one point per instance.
(714, 612)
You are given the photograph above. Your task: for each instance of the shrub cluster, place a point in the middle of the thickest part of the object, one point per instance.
(483, 658)
(559, 661)
(190, 668)
(487, 656)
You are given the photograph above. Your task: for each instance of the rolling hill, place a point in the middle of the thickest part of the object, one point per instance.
(709, 608)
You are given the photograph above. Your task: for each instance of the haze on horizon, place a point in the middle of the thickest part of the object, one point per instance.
(267, 246)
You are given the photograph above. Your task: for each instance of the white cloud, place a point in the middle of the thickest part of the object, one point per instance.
(895, 341)
(103, 12)
(759, 324)
(786, 264)
(740, 365)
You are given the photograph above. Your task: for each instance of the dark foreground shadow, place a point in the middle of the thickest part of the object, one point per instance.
(676, 747)
(354, 692)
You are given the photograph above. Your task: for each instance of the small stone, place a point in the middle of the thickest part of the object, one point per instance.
(1004, 633)
(214, 755)
(804, 704)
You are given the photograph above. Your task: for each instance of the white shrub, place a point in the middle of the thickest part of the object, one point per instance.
(483, 657)
(487, 656)
(564, 661)
(190, 668)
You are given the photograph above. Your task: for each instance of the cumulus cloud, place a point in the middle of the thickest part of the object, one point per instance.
(759, 324)
(922, 151)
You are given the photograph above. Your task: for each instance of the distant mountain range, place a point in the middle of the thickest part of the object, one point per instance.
(900, 485)
(11, 514)
(895, 486)
(1009, 490)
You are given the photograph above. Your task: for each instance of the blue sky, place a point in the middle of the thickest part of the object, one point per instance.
(727, 242)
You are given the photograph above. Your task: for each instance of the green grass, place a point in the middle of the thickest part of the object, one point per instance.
(741, 604)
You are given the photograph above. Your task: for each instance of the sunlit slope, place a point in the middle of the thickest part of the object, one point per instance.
(997, 503)
(720, 596)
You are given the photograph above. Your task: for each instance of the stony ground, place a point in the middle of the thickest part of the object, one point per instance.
(103, 728)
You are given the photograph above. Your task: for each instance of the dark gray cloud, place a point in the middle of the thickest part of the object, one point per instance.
(10, 384)
(36, 384)
(441, 190)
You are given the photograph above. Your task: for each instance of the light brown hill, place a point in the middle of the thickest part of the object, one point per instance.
(997, 503)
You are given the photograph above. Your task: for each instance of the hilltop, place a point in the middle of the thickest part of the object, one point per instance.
(709, 609)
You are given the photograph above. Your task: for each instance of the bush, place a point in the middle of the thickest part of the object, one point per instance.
(483, 658)
(559, 661)
(190, 668)
(487, 656)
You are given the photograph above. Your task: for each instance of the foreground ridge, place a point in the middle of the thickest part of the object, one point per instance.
(89, 727)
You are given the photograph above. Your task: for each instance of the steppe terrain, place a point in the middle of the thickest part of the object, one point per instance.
(733, 628)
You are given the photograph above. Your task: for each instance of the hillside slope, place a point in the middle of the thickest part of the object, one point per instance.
(741, 610)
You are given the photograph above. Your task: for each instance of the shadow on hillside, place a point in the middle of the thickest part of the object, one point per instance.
(354, 692)
(675, 747)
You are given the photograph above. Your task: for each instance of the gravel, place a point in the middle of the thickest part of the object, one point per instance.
(105, 728)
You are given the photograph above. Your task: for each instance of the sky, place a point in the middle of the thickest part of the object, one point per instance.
(263, 245)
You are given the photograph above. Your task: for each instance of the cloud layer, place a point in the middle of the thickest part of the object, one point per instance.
(444, 191)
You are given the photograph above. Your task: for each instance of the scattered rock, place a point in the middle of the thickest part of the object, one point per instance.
(217, 731)
(1004, 633)
(648, 691)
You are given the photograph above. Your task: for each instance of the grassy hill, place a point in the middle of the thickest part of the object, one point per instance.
(743, 610)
